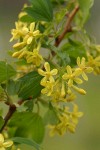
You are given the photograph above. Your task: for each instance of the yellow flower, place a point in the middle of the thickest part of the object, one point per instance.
(48, 88)
(48, 75)
(4, 145)
(83, 68)
(75, 114)
(81, 91)
(20, 31)
(71, 76)
(94, 63)
(34, 57)
(31, 33)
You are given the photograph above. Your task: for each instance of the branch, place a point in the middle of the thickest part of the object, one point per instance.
(67, 26)
(12, 109)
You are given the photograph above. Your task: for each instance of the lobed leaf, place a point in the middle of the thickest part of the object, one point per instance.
(41, 10)
(6, 71)
(29, 125)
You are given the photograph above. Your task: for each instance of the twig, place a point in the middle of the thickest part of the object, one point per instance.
(67, 26)
(12, 109)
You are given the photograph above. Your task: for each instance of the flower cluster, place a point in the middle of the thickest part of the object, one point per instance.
(48, 81)
(64, 84)
(67, 121)
(28, 36)
(59, 86)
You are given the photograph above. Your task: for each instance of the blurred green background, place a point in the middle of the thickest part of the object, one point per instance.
(87, 136)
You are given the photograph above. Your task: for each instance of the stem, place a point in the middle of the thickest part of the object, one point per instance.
(12, 109)
(67, 26)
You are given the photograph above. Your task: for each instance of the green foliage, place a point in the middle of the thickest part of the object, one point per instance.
(70, 51)
(29, 85)
(50, 116)
(6, 71)
(1, 122)
(28, 124)
(41, 10)
(26, 141)
(84, 12)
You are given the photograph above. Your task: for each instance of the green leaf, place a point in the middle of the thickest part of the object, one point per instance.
(6, 71)
(29, 105)
(41, 10)
(70, 51)
(12, 87)
(1, 122)
(28, 124)
(50, 116)
(85, 6)
(30, 85)
(26, 141)
(27, 18)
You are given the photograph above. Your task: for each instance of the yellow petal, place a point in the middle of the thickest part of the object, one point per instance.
(29, 40)
(32, 26)
(84, 76)
(35, 33)
(2, 148)
(8, 143)
(81, 91)
(70, 82)
(54, 72)
(69, 70)
(78, 61)
(65, 76)
(78, 80)
(41, 72)
(83, 62)
(1, 139)
(47, 66)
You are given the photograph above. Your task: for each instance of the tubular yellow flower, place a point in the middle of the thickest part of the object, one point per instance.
(48, 88)
(31, 33)
(83, 68)
(75, 114)
(81, 91)
(71, 76)
(34, 57)
(94, 63)
(48, 75)
(20, 31)
(4, 145)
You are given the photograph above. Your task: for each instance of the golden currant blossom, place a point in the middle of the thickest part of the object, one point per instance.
(34, 57)
(94, 63)
(31, 56)
(48, 75)
(75, 114)
(32, 33)
(4, 145)
(20, 31)
(83, 68)
(71, 76)
(48, 88)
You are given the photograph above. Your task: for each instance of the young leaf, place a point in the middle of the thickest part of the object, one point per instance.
(41, 10)
(28, 125)
(26, 141)
(85, 6)
(70, 51)
(6, 71)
